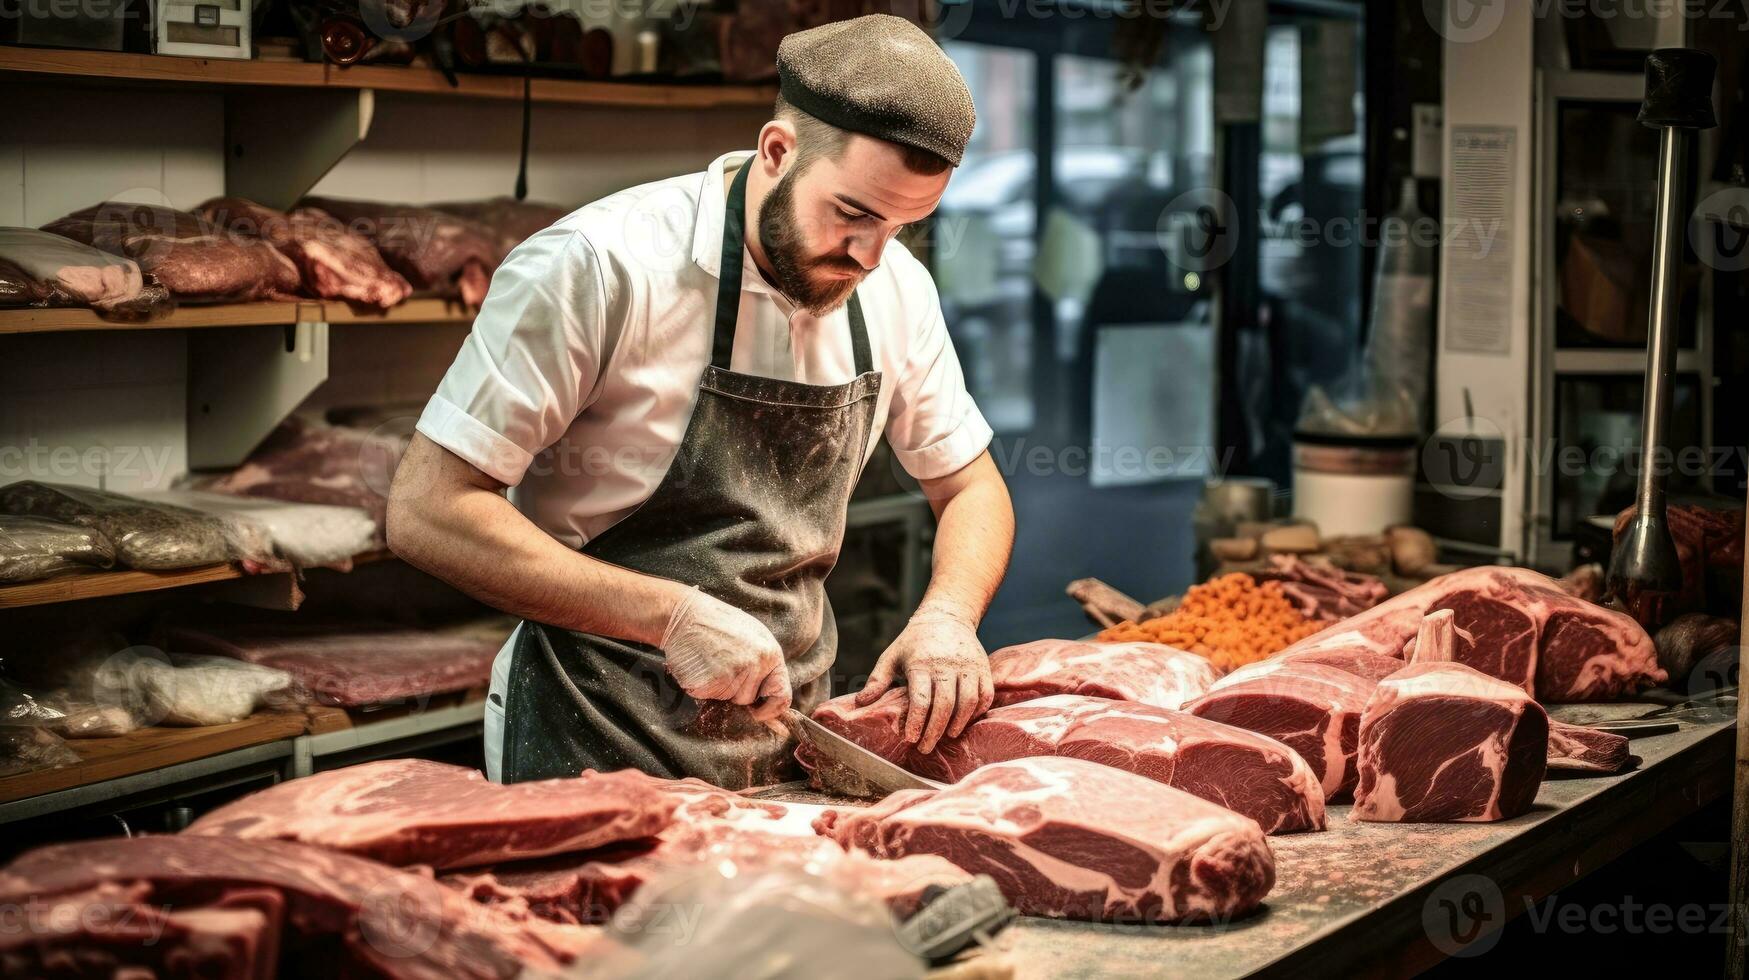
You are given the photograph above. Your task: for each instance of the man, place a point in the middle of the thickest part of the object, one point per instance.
(683, 382)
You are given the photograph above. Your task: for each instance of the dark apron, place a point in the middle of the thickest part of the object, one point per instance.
(752, 511)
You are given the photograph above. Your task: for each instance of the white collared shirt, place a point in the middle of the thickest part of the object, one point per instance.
(579, 376)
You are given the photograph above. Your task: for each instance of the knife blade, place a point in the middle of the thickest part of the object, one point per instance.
(867, 767)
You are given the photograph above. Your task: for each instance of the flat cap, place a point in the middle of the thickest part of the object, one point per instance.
(882, 76)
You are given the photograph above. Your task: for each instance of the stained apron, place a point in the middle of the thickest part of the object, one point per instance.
(751, 511)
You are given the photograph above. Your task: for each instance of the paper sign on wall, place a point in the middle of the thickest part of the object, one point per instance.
(1478, 249)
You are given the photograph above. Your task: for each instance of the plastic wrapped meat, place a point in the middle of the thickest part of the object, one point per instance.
(352, 664)
(185, 691)
(144, 534)
(511, 221)
(335, 263)
(188, 254)
(313, 463)
(435, 250)
(40, 269)
(307, 535)
(33, 548)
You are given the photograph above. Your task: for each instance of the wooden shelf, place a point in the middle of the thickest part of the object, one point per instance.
(239, 315)
(386, 78)
(97, 585)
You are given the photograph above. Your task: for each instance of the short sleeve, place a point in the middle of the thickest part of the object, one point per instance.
(531, 362)
(933, 425)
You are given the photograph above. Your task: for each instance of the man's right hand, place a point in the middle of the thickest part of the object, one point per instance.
(716, 652)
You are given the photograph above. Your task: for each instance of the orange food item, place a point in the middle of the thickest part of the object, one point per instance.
(1231, 620)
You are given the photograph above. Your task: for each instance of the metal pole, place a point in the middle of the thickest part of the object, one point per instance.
(1666, 296)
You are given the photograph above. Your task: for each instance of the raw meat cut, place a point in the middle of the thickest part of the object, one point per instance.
(1575, 747)
(511, 221)
(1443, 742)
(1322, 591)
(191, 256)
(1524, 629)
(1071, 839)
(1252, 775)
(40, 269)
(352, 664)
(1374, 667)
(1151, 673)
(334, 262)
(227, 906)
(1311, 708)
(433, 249)
(315, 463)
(411, 811)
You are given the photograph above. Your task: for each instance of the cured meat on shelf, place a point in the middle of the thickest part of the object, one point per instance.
(1442, 742)
(1071, 839)
(1150, 673)
(411, 811)
(227, 906)
(1521, 627)
(1580, 749)
(333, 262)
(316, 463)
(433, 249)
(1248, 773)
(351, 664)
(191, 256)
(511, 222)
(1311, 708)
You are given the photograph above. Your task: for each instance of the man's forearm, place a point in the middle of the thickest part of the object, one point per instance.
(473, 538)
(973, 540)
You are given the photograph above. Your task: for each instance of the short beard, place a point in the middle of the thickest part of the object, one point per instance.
(780, 235)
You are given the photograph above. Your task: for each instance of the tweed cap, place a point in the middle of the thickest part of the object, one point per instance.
(882, 76)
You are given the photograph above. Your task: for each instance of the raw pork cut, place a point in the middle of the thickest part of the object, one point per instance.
(1524, 629)
(191, 256)
(1151, 673)
(352, 664)
(229, 905)
(1311, 708)
(411, 811)
(1374, 667)
(433, 249)
(1072, 839)
(1241, 770)
(1581, 749)
(1443, 742)
(333, 262)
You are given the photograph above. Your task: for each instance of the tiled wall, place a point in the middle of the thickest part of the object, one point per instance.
(107, 409)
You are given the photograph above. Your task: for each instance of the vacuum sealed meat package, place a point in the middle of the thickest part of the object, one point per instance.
(191, 256)
(33, 548)
(145, 535)
(40, 269)
(307, 535)
(190, 691)
(29, 749)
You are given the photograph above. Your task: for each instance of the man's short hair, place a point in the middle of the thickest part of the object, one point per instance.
(817, 139)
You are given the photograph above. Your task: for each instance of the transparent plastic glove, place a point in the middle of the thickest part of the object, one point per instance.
(716, 652)
(946, 671)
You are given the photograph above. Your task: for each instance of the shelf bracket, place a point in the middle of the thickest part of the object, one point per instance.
(245, 381)
(279, 143)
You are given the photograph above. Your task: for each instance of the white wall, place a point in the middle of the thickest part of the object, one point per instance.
(110, 406)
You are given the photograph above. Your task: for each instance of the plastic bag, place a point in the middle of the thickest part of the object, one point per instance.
(145, 535)
(26, 749)
(189, 255)
(40, 269)
(186, 690)
(63, 714)
(307, 535)
(789, 912)
(36, 547)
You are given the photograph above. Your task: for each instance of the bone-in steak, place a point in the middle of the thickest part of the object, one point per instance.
(1073, 839)
(1581, 749)
(1311, 708)
(411, 811)
(1241, 770)
(1444, 742)
(1151, 673)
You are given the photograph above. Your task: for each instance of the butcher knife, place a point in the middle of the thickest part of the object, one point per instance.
(877, 773)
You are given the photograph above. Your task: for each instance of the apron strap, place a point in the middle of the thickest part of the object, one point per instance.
(729, 285)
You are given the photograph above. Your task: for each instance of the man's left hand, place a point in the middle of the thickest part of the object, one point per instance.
(946, 672)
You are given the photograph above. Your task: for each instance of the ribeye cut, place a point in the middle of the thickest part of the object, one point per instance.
(1580, 749)
(1311, 708)
(411, 811)
(1443, 742)
(1246, 772)
(1151, 673)
(1072, 839)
